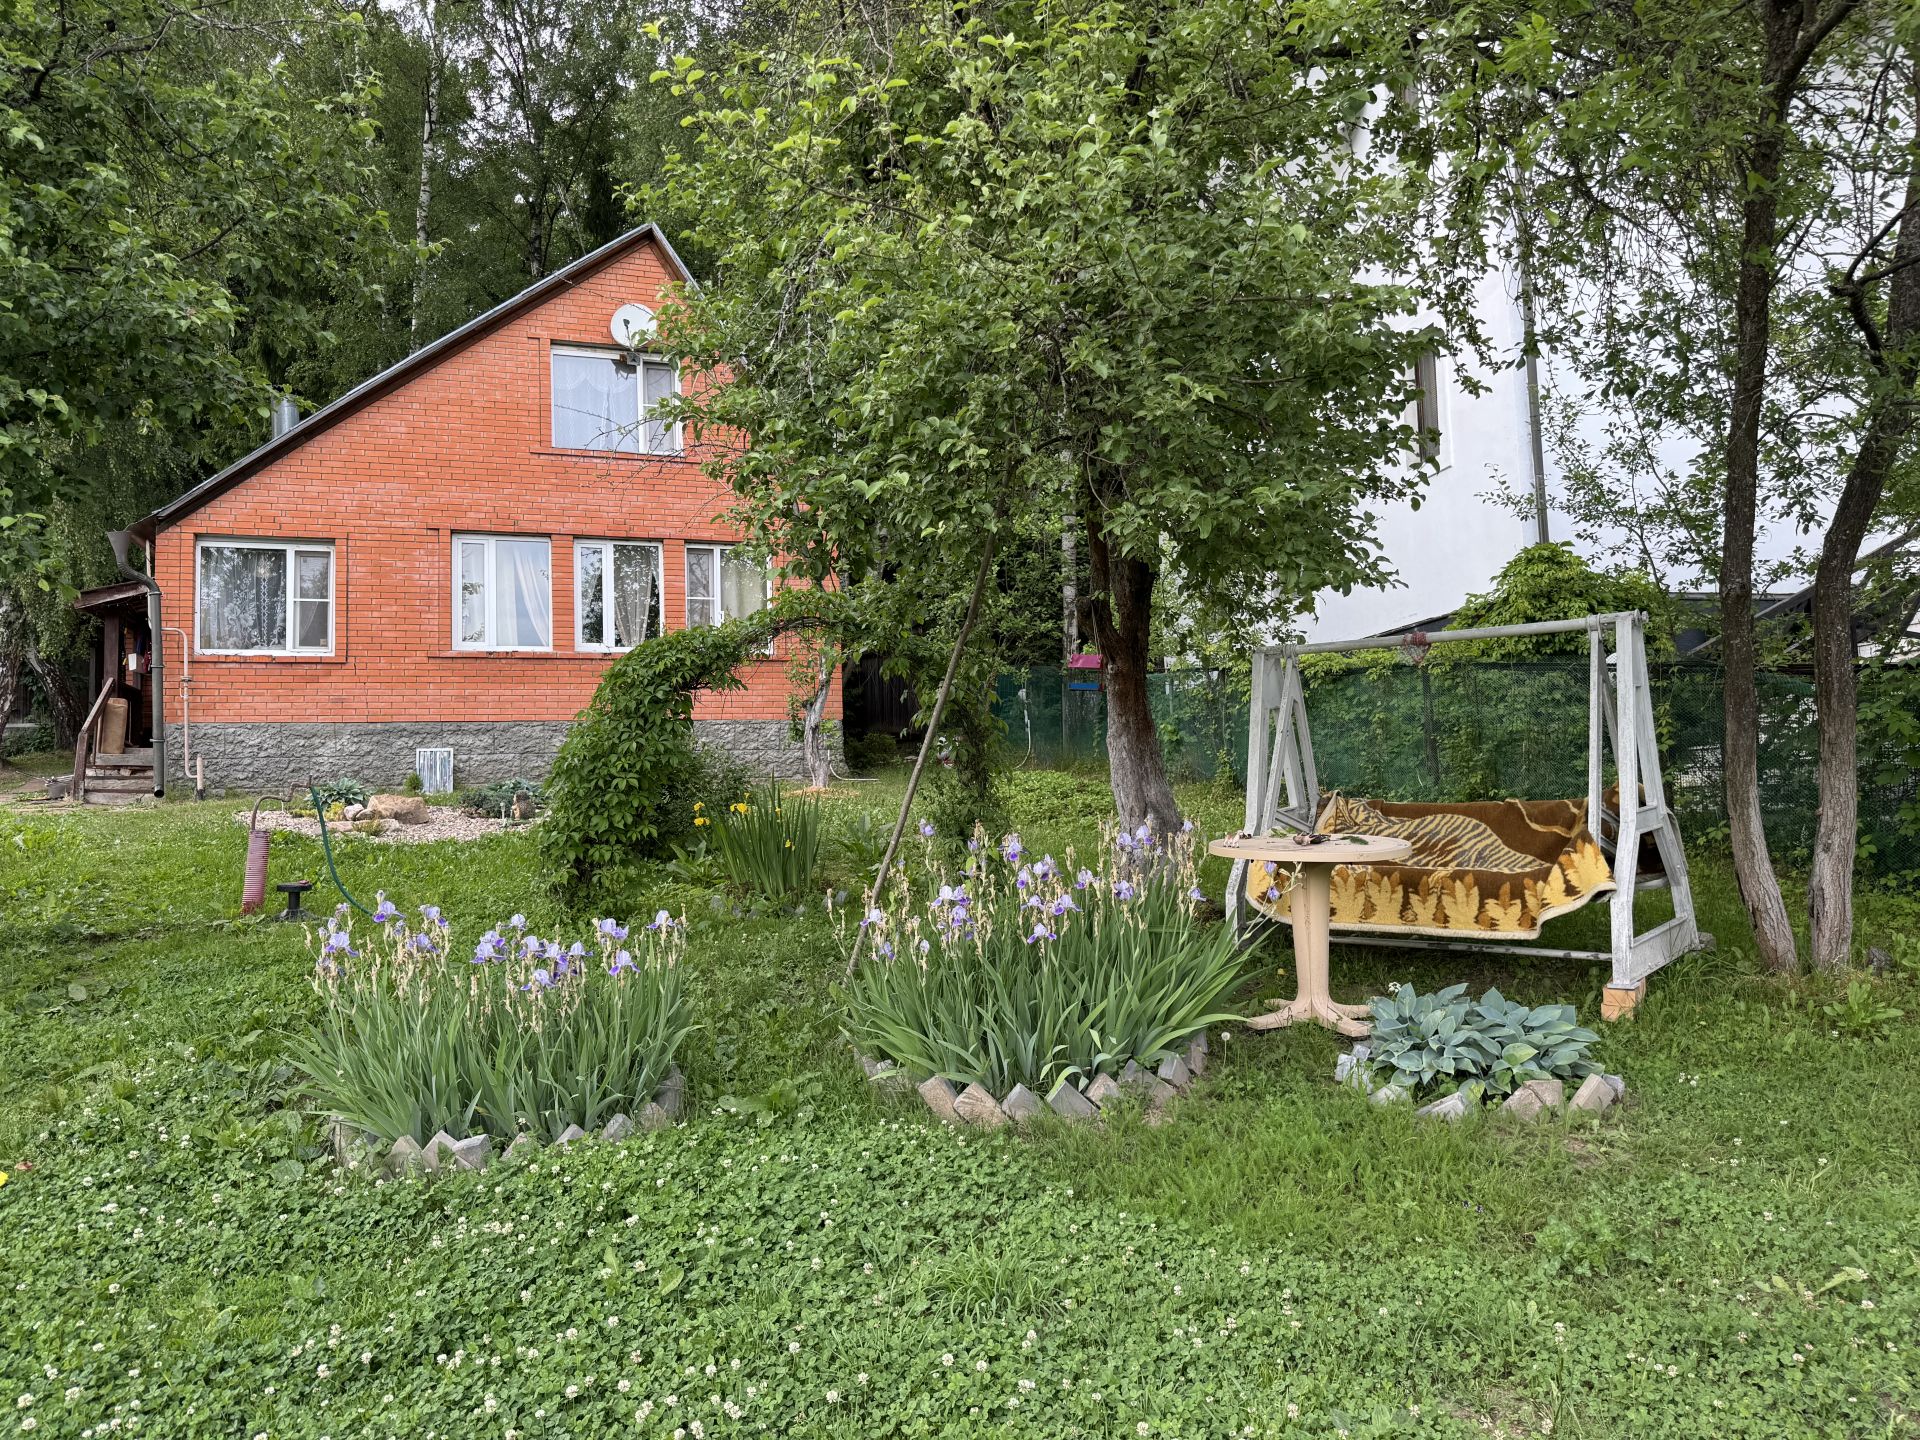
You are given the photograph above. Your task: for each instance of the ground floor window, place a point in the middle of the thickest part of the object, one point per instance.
(617, 585)
(722, 584)
(502, 593)
(272, 597)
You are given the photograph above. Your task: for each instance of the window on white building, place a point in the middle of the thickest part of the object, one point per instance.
(502, 593)
(617, 593)
(608, 400)
(268, 597)
(722, 585)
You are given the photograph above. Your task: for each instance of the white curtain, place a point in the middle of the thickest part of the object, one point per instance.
(636, 580)
(523, 615)
(743, 587)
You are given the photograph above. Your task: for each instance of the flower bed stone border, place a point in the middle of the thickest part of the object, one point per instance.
(443, 1154)
(1595, 1094)
(975, 1105)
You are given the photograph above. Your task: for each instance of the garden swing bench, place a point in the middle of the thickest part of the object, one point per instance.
(1481, 868)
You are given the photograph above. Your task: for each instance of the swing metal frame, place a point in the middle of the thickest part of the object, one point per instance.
(1619, 720)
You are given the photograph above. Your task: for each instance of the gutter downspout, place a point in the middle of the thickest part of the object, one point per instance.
(156, 630)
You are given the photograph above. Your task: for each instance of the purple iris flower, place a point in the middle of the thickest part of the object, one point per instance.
(1194, 892)
(518, 921)
(926, 830)
(1040, 932)
(431, 914)
(1083, 879)
(1123, 841)
(1064, 904)
(1023, 879)
(972, 845)
(1186, 827)
(661, 921)
(423, 941)
(958, 917)
(883, 949)
(613, 930)
(1123, 890)
(488, 948)
(1010, 850)
(1273, 893)
(338, 942)
(1046, 869)
(386, 912)
(1144, 835)
(542, 980)
(874, 917)
(622, 962)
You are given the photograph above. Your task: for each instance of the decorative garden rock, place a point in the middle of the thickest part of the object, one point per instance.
(405, 1157)
(976, 1106)
(618, 1129)
(1133, 1077)
(1451, 1108)
(571, 1134)
(1619, 1085)
(438, 1152)
(524, 1147)
(652, 1117)
(1021, 1104)
(1068, 1103)
(672, 1095)
(1389, 1095)
(1535, 1096)
(352, 1147)
(1197, 1054)
(1593, 1096)
(472, 1153)
(940, 1099)
(1103, 1089)
(1173, 1070)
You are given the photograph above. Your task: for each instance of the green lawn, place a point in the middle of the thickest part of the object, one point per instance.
(1735, 1251)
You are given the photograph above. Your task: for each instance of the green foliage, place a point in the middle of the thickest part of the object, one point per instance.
(1552, 582)
(1024, 972)
(868, 753)
(619, 786)
(1863, 1011)
(344, 791)
(1420, 1041)
(413, 784)
(769, 843)
(496, 799)
(527, 1035)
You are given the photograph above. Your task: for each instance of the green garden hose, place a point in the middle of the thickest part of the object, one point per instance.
(320, 813)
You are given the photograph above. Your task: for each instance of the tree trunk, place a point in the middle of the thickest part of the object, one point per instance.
(1069, 594)
(1753, 338)
(63, 701)
(813, 748)
(1122, 620)
(423, 194)
(12, 659)
(1896, 361)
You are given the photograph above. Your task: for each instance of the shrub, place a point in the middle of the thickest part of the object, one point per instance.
(619, 790)
(1036, 972)
(496, 800)
(867, 753)
(1424, 1040)
(524, 1035)
(769, 843)
(335, 796)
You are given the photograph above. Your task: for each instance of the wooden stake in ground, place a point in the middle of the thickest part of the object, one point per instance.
(926, 742)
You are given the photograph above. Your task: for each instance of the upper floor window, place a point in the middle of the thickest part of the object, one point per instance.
(606, 400)
(618, 587)
(722, 585)
(502, 593)
(270, 597)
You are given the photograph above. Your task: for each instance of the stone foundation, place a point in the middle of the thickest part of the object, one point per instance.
(268, 757)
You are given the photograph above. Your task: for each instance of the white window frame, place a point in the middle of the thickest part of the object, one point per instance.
(641, 360)
(606, 548)
(719, 552)
(293, 549)
(488, 583)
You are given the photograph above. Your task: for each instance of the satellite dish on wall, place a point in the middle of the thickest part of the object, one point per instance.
(632, 326)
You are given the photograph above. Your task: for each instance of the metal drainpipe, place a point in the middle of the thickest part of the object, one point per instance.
(186, 704)
(120, 540)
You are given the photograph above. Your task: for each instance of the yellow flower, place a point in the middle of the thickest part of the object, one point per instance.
(739, 808)
(789, 844)
(698, 807)
(3, 1177)
(699, 820)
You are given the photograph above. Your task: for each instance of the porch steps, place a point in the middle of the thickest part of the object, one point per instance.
(120, 779)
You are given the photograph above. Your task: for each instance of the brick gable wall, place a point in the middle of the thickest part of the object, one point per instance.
(464, 446)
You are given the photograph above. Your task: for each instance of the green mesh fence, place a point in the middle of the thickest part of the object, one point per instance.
(1484, 730)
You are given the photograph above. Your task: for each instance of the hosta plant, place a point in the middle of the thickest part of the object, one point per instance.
(420, 1033)
(1422, 1041)
(1026, 969)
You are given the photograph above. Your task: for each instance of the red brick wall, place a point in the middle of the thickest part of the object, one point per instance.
(463, 446)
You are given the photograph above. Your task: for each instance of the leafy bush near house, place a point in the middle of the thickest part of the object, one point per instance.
(619, 789)
(1035, 971)
(769, 843)
(867, 753)
(1420, 1041)
(335, 795)
(525, 1034)
(496, 800)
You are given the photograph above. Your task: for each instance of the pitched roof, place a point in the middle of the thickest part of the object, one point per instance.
(398, 374)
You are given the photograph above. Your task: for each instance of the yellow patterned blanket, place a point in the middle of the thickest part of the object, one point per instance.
(1501, 866)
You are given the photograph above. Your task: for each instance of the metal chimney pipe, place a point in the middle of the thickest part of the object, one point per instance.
(286, 415)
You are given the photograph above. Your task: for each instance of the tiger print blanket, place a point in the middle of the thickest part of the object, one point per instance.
(1500, 865)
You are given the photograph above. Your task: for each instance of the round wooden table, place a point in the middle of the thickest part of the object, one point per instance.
(1310, 904)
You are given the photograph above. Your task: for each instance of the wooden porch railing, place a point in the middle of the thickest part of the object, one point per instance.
(83, 742)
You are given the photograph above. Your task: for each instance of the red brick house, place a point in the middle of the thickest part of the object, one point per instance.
(448, 555)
